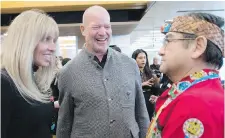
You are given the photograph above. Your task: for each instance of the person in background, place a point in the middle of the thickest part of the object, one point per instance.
(65, 60)
(115, 48)
(150, 83)
(192, 54)
(100, 89)
(26, 109)
(164, 84)
(155, 67)
(55, 93)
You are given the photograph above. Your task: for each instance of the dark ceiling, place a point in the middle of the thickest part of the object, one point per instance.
(69, 17)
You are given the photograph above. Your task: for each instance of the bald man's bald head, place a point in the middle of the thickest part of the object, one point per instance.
(156, 60)
(94, 12)
(96, 28)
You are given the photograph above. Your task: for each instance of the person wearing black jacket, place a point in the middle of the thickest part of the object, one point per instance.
(150, 82)
(165, 83)
(155, 67)
(26, 109)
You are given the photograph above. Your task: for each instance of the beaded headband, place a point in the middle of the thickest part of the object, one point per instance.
(198, 27)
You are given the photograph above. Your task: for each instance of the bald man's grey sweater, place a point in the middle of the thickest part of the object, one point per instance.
(98, 102)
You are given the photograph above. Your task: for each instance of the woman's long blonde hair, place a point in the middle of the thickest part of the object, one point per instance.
(24, 34)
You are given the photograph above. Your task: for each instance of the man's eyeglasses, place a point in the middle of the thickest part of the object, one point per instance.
(168, 40)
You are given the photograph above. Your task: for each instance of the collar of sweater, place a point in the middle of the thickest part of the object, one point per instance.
(91, 55)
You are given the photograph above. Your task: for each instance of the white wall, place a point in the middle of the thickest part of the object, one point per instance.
(123, 42)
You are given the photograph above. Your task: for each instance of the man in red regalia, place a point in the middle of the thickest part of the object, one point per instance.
(193, 107)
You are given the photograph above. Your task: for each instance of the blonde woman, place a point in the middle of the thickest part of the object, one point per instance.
(26, 110)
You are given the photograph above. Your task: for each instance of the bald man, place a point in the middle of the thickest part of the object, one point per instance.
(100, 89)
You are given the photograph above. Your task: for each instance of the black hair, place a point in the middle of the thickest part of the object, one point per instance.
(147, 69)
(115, 48)
(65, 60)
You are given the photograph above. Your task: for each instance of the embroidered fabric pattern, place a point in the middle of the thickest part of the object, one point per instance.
(177, 89)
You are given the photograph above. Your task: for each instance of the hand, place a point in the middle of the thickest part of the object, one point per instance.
(52, 99)
(146, 83)
(153, 99)
(151, 81)
(56, 104)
